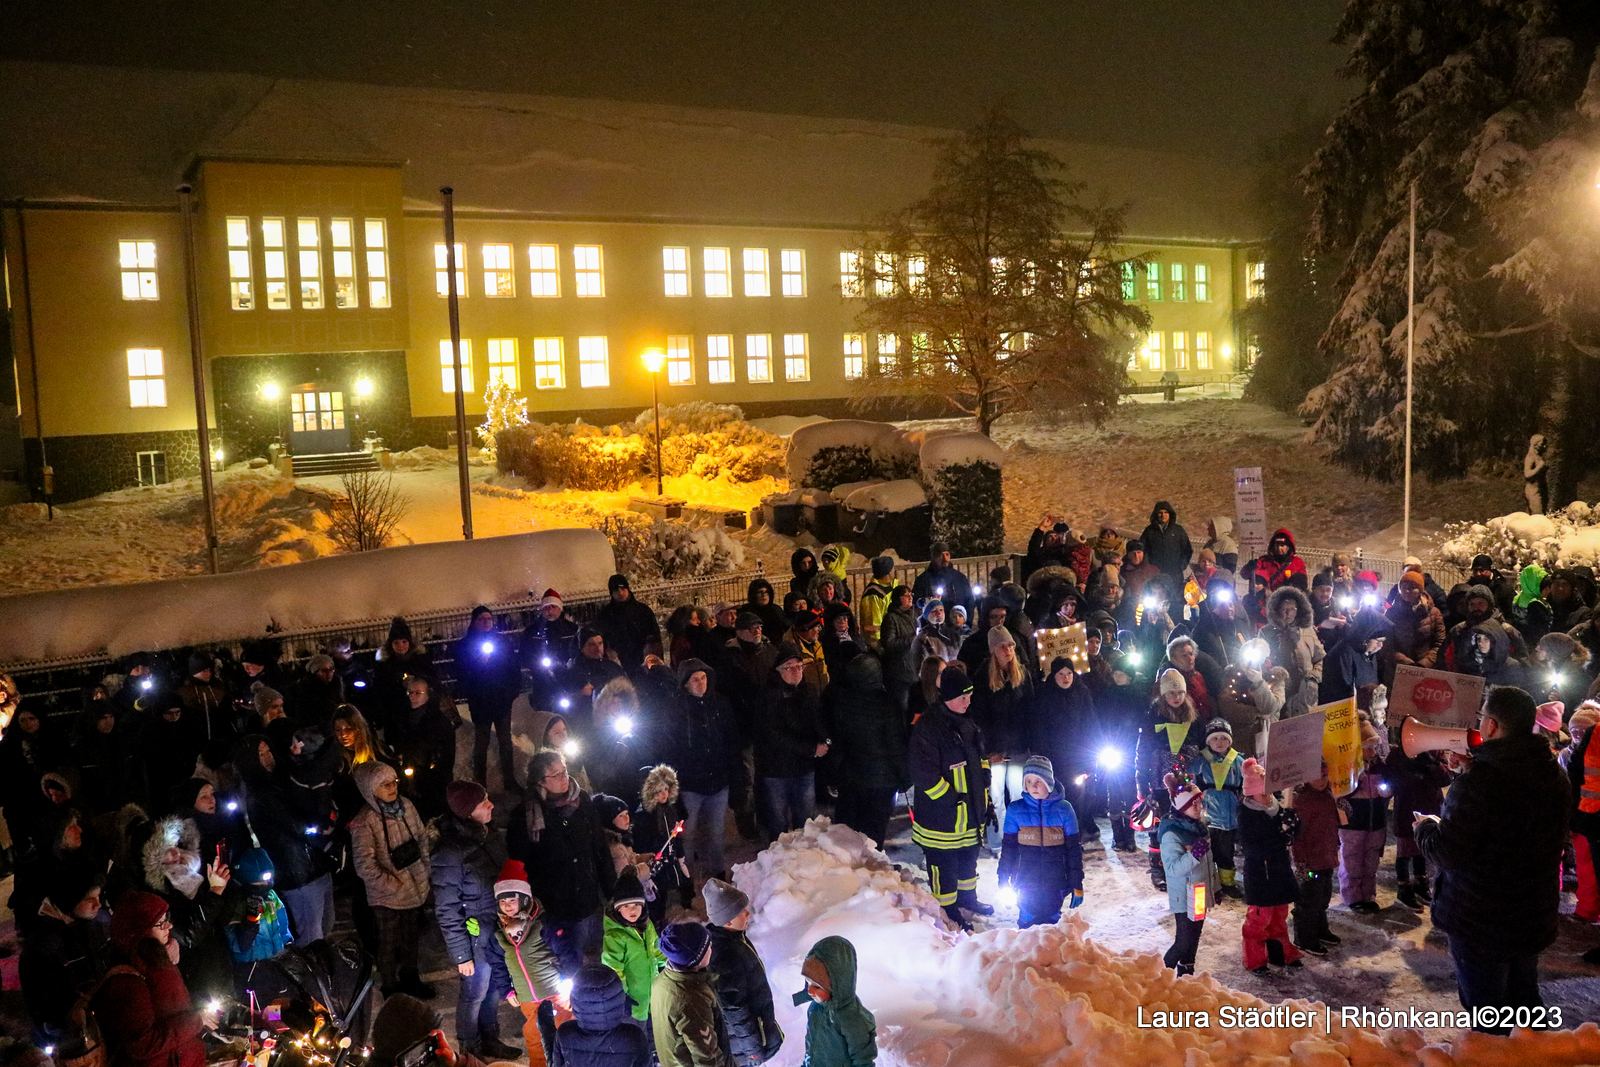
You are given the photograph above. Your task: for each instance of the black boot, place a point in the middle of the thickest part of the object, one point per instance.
(491, 1048)
(1158, 873)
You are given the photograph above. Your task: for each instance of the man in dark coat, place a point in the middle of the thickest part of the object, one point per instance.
(950, 797)
(789, 739)
(763, 603)
(465, 856)
(942, 580)
(1497, 845)
(869, 747)
(583, 678)
(292, 829)
(702, 741)
(1065, 729)
(739, 977)
(1222, 629)
(425, 741)
(549, 643)
(629, 627)
(1166, 544)
(488, 676)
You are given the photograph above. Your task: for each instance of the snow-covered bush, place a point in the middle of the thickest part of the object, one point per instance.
(574, 456)
(737, 449)
(968, 508)
(667, 549)
(503, 407)
(696, 416)
(838, 464)
(1566, 538)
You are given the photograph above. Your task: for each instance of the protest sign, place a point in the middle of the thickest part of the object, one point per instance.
(1070, 641)
(1249, 513)
(1293, 750)
(1341, 745)
(1437, 698)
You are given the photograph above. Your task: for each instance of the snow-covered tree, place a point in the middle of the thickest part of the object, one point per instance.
(503, 407)
(1003, 288)
(1492, 109)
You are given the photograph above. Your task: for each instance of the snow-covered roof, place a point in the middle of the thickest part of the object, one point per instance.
(127, 136)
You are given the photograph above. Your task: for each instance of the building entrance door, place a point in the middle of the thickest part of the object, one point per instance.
(316, 421)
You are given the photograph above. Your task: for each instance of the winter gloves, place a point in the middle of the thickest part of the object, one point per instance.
(1199, 849)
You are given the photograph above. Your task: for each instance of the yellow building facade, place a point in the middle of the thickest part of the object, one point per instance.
(321, 272)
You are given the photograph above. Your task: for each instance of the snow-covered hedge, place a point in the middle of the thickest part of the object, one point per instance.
(667, 549)
(1566, 538)
(706, 440)
(824, 454)
(573, 456)
(968, 507)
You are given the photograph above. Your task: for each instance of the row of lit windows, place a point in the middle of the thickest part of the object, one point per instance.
(315, 275)
(594, 361)
(1156, 355)
(1183, 282)
(717, 272)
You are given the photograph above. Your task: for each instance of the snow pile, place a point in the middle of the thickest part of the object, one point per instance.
(1046, 996)
(901, 495)
(116, 620)
(1566, 538)
(784, 425)
(942, 450)
(669, 549)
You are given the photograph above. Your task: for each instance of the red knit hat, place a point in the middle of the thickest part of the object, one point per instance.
(550, 597)
(136, 912)
(513, 879)
(463, 798)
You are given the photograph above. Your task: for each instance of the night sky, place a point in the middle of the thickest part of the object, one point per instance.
(1212, 76)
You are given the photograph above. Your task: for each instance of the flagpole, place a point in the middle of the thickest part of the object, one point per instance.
(1411, 324)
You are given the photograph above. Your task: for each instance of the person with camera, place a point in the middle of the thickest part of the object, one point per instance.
(389, 849)
(1497, 844)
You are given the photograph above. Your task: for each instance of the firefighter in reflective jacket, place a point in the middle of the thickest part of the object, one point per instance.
(950, 782)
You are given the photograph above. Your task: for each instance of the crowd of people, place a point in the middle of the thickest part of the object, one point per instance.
(206, 811)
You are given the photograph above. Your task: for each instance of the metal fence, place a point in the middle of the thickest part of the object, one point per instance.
(1388, 568)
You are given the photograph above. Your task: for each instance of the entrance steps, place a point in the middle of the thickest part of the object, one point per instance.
(332, 463)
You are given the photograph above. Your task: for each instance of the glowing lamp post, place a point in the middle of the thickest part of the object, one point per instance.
(654, 360)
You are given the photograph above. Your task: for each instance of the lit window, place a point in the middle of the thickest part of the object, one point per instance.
(849, 273)
(719, 359)
(756, 281)
(277, 267)
(853, 360)
(1175, 276)
(138, 270)
(377, 239)
(1152, 352)
(441, 270)
(883, 273)
(152, 468)
(1152, 281)
(888, 345)
(1252, 351)
(1130, 285)
(310, 411)
(498, 279)
(594, 363)
(1180, 350)
(544, 277)
(587, 272)
(1255, 276)
(447, 366)
(675, 271)
(715, 261)
(146, 386)
(793, 264)
(796, 362)
(239, 264)
(308, 241)
(680, 360)
(549, 364)
(1202, 282)
(1202, 343)
(342, 232)
(917, 274)
(1016, 344)
(503, 355)
(758, 357)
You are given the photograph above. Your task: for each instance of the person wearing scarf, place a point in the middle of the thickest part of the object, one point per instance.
(386, 832)
(142, 1006)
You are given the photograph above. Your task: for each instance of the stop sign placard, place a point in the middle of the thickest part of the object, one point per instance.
(1438, 698)
(1433, 696)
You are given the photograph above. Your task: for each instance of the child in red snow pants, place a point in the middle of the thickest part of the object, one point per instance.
(1264, 924)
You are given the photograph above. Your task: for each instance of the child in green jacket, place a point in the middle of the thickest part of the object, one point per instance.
(630, 944)
(840, 1031)
(535, 973)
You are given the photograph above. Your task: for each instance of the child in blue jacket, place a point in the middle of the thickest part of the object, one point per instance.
(1041, 858)
(1219, 770)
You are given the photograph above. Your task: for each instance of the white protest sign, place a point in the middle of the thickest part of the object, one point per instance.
(1438, 698)
(1249, 513)
(1293, 750)
(1070, 641)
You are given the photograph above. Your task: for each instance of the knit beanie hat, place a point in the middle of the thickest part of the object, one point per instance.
(1060, 662)
(463, 798)
(1414, 577)
(617, 581)
(928, 608)
(882, 566)
(628, 891)
(265, 695)
(136, 912)
(550, 597)
(1219, 726)
(481, 609)
(1481, 562)
(999, 635)
(1322, 578)
(1184, 793)
(937, 547)
(254, 868)
(1041, 766)
(1547, 716)
(1172, 682)
(724, 902)
(398, 627)
(321, 661)
(1370, 577)
(683, 943)
(953, 683)
(513, 879)
(201, 661)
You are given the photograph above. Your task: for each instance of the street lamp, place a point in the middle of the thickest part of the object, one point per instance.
(654, 359)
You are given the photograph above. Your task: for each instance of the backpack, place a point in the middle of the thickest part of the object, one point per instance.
(81, 1043)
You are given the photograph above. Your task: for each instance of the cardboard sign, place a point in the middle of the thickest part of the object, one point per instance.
(1437, 698)
(1293, 750)
(1341, 745)
(1249, 513)
(1070, 641)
